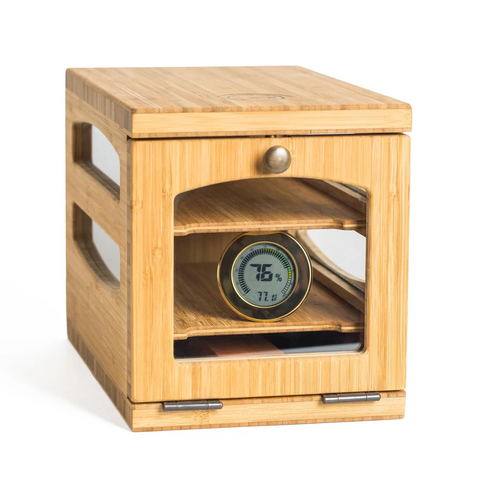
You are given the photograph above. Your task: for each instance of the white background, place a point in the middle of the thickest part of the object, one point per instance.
(55, 419)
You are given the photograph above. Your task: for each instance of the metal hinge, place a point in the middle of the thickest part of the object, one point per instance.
(351, 397)
(192, 405)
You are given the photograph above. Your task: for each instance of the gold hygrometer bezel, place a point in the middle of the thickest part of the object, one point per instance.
(259, 313)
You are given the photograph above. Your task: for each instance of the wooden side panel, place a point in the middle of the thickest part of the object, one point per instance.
(116, 396)
(161, 169)
(96, 308)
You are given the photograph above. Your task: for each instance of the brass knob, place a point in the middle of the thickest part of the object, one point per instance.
(277, 159)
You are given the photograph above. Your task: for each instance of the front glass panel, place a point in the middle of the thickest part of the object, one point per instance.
(270, 276)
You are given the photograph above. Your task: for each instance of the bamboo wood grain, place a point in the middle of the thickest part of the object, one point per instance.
(125, 331)
(344, 193)
(97, 303)
(339, 286)
(233, 101)
(110, 386)
(162, 169)
(269, 411)
(290, 410)
(201, 247)
(270, 202)
(200, 309)
(147, 125)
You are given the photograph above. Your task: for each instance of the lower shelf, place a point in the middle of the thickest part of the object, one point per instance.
(201, 311)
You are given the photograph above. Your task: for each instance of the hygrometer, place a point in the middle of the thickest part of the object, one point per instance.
(264, 277)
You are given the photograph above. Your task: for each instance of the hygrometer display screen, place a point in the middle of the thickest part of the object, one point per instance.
(264, 274)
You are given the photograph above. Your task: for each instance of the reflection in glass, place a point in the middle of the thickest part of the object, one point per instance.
(342, 252)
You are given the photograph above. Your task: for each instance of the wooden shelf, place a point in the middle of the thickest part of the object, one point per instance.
(262, 205)
(201, 311)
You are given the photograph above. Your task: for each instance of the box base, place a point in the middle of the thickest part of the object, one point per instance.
(244, 412)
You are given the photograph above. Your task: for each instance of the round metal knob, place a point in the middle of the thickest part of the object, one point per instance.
(277, 159)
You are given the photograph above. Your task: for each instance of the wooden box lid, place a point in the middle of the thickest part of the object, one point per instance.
(234, 101)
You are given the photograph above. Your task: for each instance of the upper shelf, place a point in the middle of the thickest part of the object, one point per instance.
(273, 203)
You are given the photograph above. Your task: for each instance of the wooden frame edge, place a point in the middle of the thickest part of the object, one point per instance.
(148, 125)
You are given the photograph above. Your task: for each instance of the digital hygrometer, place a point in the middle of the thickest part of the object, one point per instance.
(264, 277)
